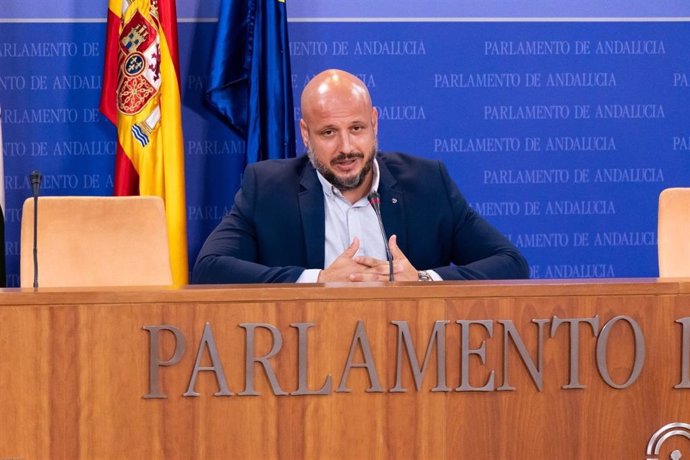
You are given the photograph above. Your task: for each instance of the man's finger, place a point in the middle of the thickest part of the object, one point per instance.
(370, 261)
(368, 276)
(396, 252)
(384, 269)
(352, 249)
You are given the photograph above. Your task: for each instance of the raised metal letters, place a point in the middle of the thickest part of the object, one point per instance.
(511, 334)
(303, 366)
(250, 359)
(362, 339)
(438, 337)
(684, 354)
(154, 357)
(602, 347)
(532, 357)
(208, 342)
(574, 345)
(466, 351)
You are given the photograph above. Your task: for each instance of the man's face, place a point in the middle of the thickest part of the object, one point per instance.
(340, 136)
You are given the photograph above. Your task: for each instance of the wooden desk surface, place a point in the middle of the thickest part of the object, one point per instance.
(528, 369)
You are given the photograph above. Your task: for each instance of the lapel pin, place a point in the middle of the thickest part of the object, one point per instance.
(394, 200)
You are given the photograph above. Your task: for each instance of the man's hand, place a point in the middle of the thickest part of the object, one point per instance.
(372, 269)
(405, 270)
(347, 267)
(377, 270)
(344, 267)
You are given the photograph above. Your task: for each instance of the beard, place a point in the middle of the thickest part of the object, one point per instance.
(344, 183)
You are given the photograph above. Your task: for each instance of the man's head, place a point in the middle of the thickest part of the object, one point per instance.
(339, 126)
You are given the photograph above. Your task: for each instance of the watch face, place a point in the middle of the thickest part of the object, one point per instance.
(423, 276)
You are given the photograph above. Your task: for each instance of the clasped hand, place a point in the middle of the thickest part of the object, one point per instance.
(348, 267)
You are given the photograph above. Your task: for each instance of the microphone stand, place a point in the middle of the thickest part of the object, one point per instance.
(375, 201)
(35, 185)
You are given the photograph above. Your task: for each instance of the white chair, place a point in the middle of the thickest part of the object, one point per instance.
(96, 241)
(674, 232)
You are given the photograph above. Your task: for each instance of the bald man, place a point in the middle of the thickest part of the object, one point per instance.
(308, 219)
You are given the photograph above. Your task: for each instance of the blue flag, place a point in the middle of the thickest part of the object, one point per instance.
(250, 77)
(3, 278)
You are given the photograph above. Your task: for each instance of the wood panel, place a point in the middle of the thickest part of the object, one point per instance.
(74, 369)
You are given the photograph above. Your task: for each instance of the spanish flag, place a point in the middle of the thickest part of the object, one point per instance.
(141, 96)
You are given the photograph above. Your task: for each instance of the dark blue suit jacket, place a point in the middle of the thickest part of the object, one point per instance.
(276, 228)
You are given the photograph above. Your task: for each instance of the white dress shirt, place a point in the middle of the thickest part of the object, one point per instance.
(344, 222)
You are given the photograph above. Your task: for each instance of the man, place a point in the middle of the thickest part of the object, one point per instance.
(308, 219)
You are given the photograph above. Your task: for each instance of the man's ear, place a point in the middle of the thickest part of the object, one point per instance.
(375, 120)
(304, 130)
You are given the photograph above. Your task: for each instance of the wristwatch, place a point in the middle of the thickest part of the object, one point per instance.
(423, 276)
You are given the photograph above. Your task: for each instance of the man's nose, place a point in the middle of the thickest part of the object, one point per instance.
(345, 142)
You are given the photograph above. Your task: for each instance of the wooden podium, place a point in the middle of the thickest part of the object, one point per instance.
(480, 370)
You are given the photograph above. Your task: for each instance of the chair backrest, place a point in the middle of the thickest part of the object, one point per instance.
(674, 232)
(96, 241)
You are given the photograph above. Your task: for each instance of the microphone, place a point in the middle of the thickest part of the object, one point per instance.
(35, 178)
(375, 201)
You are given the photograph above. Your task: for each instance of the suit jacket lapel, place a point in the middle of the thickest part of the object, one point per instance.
(392, 205)
(313, 217)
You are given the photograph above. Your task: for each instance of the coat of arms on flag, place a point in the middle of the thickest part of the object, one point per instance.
(139, 76)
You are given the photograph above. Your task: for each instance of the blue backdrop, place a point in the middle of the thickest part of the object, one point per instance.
(561, 123)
